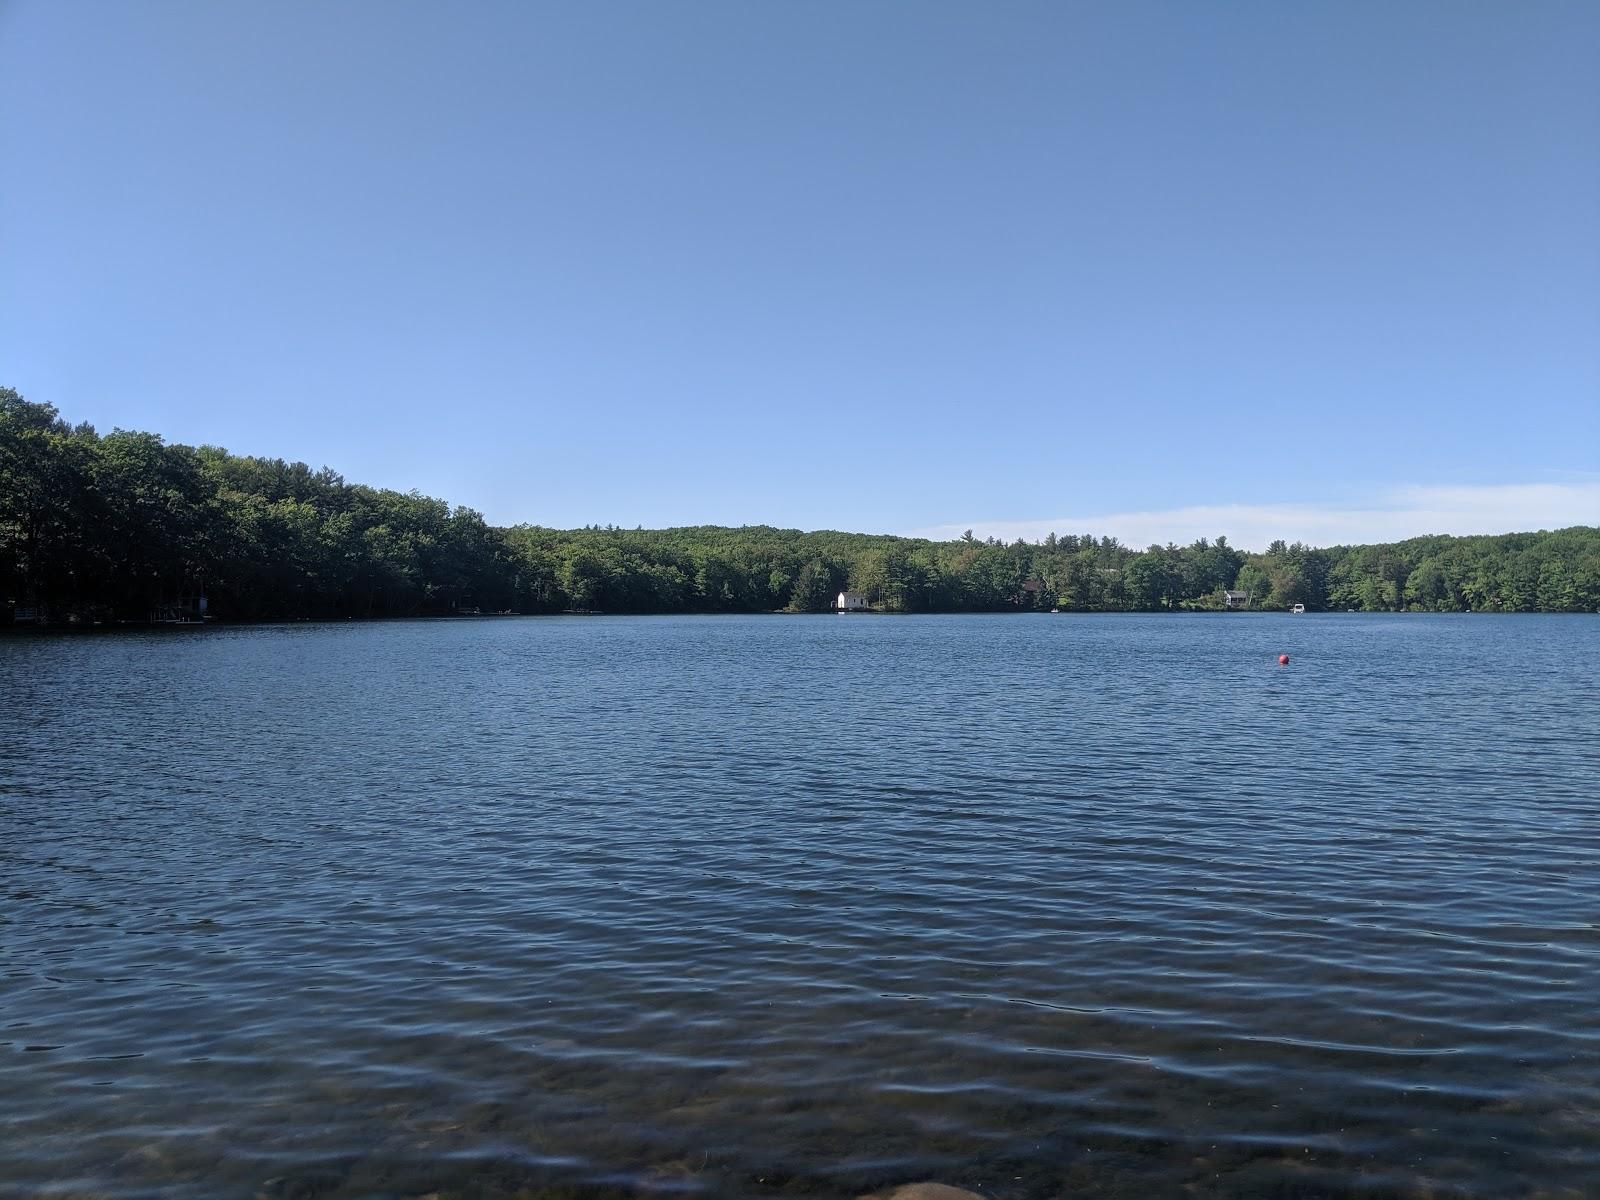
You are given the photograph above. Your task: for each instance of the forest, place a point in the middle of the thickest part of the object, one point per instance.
(101, 528)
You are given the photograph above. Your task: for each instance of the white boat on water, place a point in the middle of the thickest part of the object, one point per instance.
(1298, 608)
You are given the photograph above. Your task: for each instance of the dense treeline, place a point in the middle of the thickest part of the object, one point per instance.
(124, 526)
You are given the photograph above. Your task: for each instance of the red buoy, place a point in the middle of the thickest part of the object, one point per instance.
(1283, 660)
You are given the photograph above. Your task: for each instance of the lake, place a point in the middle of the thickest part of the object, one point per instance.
(1041, 906)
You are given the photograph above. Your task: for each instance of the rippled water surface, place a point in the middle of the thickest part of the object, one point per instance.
(1041, 906)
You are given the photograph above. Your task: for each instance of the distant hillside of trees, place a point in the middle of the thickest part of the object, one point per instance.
(123, 526)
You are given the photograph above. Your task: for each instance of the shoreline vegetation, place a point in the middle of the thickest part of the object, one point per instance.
(124, 527)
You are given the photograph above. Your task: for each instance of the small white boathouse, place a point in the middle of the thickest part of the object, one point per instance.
(852, 602)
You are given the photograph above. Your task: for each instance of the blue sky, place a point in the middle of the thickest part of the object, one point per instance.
(1156, 269)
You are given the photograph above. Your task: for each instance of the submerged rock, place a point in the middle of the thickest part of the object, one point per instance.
(925, 1191)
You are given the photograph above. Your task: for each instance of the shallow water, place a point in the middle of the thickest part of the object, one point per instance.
(1042, 906)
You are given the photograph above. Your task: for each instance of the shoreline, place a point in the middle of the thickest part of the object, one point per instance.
(30, 630)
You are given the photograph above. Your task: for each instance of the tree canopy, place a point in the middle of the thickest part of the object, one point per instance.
(116, 526)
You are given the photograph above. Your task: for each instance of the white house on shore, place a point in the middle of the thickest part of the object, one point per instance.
(852, 602)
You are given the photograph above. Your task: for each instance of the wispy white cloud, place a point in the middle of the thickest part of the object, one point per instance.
(1390, 516)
